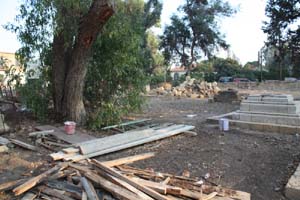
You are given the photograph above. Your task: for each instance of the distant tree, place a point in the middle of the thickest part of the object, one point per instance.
(195, 31)
(226, 67)
(252, 65)
(156, 65)
(284, 33)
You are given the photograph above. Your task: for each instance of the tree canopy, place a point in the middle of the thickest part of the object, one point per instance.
(71, 41)
(284, 33)
(195, 31)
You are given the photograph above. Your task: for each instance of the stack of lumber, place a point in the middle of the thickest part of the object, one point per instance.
(94, 180)
(101, 146)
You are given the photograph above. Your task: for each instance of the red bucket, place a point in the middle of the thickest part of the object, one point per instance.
(70, 127)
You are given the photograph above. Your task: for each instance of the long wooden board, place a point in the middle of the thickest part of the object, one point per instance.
(130, 144)
(128, 137)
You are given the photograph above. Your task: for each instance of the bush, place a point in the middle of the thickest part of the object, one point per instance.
(35, 95)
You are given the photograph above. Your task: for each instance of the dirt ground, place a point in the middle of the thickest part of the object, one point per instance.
(255, 162)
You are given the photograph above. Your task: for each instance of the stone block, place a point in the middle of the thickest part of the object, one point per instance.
(271, 128)
(287, 129)
(257, 127)
(292, 188)
(245, 107)
(245, 117)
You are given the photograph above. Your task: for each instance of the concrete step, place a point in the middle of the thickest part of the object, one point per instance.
(270, 119)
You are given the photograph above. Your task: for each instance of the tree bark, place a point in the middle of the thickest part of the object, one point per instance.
(69, 73)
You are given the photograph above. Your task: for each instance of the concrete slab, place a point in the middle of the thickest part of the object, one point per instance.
(292, 188)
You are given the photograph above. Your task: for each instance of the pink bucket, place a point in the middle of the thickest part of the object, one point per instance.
(70, 127)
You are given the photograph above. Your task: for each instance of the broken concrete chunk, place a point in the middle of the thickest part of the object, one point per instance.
(292, 188)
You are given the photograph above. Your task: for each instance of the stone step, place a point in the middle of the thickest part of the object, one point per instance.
(271, 108)
(270, 119)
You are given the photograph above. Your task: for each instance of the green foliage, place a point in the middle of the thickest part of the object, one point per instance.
(157, 59)
(156, 79)
(116, 75)
(196, 33)
(35, 94)
(283, 33)
(120, 56)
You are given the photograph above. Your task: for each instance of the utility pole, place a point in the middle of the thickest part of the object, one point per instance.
(260, 63)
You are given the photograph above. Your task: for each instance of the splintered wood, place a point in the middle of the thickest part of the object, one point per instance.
(114, 179)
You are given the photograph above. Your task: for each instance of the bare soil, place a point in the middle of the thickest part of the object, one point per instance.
(255, 162)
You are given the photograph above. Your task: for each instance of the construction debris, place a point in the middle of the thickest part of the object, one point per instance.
(191, 88)
(23, 145)
(227, 96)
(3, 148)
(96, 180)
(101, 146)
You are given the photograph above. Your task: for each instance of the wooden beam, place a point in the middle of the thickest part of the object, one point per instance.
(36, 180)
(117, 191)
(11, 184)
(3, 148)
(127, 160)
(23, 144)
(89, 189)
(148, 191)
(124, 184)
(40, 133)
(70, 150)
(29, 196)
(159, 187)
(54, 193)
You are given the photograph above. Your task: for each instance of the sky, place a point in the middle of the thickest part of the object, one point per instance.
(243, 30)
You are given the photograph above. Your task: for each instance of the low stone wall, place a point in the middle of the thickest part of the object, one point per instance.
(267, 85)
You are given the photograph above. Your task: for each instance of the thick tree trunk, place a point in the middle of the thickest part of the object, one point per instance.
(70, 73)
(58, 72)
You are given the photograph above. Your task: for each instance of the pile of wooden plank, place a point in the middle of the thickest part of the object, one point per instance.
(112, 180)
(101, 146)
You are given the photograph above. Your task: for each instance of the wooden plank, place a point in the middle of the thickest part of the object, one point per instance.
(70, 150)
(129, 187)
(24, 145)
(29, 196)
(159, 187)
(115, 190)
(131, 144)
(126, 124)
(35, 180)
(54, 193)
(3, 148)
(11, 184)
(4, 141)
(84, 196)
(89, 189)
(59, 133)
(127, 160)
(40, 133)
(121, 138)
(61, 155)
(112, 172)
(186, 183)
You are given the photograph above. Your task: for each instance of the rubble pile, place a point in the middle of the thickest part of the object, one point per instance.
(191, 88)
(228, 96)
